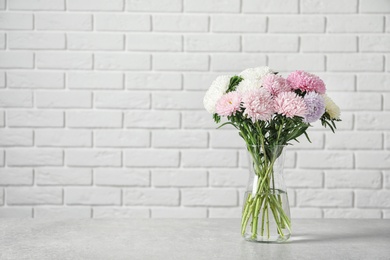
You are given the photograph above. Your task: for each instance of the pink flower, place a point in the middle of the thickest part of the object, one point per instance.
(275, 84)
(305, 81)
(228, 104)
(258, 105)
(290, 104)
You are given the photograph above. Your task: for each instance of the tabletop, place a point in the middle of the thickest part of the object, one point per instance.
(188, 239)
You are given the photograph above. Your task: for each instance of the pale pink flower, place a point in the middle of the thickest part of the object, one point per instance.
(290, 104)
(275, 84)
(258, 105)
(305, 81)
(228, 104)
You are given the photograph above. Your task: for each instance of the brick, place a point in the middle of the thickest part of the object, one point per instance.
(373, 199)
(121, 138)
(373, 121)
(186, 62)
(330, 6)
(35, 79)
(317, 141)
(354, 140)
(324, 159)
(121, 177)
(373, 82)
(386, 101)
(296, 24)
(95, 41)
(236, 62)
(34, 196)
(209, 158)
(352, 213)
(154, 5)
(16, 21)
(2, 4)
(238, 23)
(387, 23)
(347, 123)
(212, 42)
(93, 158)
(374, 6)
(386, 179)
(122, 22)
(147, 119)
(218, 139)
(34, 157)
(328, 43)
(15, 176)
(304, 179)
(63, 176)
(163, 81)
(270, 43)
(16, 60)
(16, 212)
(35, 118)
(122, 100)
(292, 62)
(373, 160)
(209, 197)
(161, 212)
(151, 158)
(95, 80)
(198, 120)
(2, 119)
(2, 79)
(325, 198)
(305, 213)
(63, 21)
(62, 212)
(228, 178)
(16, 137)
(37, 5)
(177, 100)
(63, 138)
(358, 101)
(387, 62)
(374, 43)
(179, 178)
(151, 197)
(120, 61)
(16, 98)
(338, 82)
(2, 41)
(355, 62)
(354, 23)
(180, 23)
(63, 60)
(228, 212)
(180, 138)
(154, 42)
(199, 81)
(205, 6)
(92, 196)
(63, 99)
(120, 212)
(95, 5)
(36, 40)
(353, 179)
(263, 6)
(1, 196)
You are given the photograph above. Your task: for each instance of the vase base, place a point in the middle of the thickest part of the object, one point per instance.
(265, 239)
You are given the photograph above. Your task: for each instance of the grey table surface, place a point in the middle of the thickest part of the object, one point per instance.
(188, 239)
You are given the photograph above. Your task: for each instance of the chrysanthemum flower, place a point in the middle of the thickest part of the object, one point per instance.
(228, 104)
(315, 105)
(258, 105)
(305, 81)
(275, 84)
(290, 104)
(256, 73)
(215, 92)
(248, 85)
(331, 108)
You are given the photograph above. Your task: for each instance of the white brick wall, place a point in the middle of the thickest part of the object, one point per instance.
(101, 106)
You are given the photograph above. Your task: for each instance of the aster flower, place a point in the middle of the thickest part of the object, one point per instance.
(290, 104)
(228, 104)
(331, 108)
(256, 73)
(315, 105)
(258, 105)
(216, 91)
(275, 84)
(305, 81)
(248, 85)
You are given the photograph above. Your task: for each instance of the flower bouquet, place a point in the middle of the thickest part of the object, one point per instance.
(269, 112)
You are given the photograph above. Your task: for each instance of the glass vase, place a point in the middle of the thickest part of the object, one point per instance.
(266, 210)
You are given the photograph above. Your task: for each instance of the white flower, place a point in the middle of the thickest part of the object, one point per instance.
(331, 108)
(248, 85)
(215, 92)
(256, 73)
